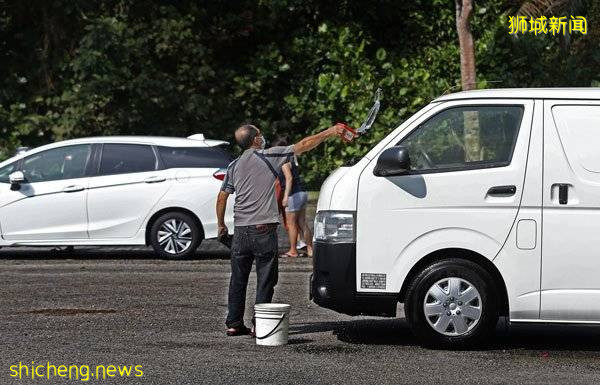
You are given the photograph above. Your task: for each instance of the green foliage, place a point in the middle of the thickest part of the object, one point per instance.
(293, 67)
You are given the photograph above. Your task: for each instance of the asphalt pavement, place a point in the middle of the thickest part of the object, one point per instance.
(120, 306)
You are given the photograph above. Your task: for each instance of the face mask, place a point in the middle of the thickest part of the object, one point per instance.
(263, 142)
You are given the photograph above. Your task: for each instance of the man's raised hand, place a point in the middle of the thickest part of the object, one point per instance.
(337, 129)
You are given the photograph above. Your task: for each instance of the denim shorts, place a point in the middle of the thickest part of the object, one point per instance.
(297, 201)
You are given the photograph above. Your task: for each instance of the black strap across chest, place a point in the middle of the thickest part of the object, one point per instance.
(264, 158)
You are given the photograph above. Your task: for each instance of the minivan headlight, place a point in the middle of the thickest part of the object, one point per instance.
(335, 226)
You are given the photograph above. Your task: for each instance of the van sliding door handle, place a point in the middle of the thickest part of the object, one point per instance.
(502, 191)
(563, 194)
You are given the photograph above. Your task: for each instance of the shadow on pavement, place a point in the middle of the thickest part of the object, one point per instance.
(208, 250)
(535, 337)
(549, 337)
(364, 331)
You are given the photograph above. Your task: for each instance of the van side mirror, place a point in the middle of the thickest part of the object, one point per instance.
(393, 161)
(15, 179)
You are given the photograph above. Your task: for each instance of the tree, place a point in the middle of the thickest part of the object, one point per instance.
(472, 136)
(464, 8)
(536, 8)
(73, 68)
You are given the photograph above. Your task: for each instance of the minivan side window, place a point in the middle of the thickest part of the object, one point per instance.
(466, 137)
(6, 171)
(194, 157)
(68, 162)
(127, 158)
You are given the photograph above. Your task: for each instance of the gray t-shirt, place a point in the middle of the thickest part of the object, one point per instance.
(252, 178)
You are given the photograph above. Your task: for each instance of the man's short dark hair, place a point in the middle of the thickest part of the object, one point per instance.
(245, 134)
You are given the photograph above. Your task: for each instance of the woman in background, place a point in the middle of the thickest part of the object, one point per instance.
(294, 199)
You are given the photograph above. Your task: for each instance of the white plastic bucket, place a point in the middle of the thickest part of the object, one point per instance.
(272, 323)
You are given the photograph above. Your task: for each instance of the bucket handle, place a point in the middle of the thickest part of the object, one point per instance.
(269, 334)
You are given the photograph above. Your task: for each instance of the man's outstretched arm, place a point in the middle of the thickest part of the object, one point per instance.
(221, 206)
(313, 141)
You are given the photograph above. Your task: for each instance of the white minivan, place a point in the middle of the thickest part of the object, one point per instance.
(130, 190)
(482, 204)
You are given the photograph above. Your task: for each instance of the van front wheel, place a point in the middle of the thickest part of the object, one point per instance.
(452, 304)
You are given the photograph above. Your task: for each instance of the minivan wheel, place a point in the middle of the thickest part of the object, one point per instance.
(175, 235)
(452, 304)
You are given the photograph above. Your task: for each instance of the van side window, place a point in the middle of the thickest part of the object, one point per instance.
(6, 171)
(127, 158)
(466, 137)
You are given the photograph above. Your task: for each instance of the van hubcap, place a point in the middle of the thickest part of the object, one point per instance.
(175, 236)
(452, 306)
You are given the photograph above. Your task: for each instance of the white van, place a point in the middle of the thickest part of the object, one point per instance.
(483, 204)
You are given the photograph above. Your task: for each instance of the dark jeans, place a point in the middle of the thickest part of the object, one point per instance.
(249, 243)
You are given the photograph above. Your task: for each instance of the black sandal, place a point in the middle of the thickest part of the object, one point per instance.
(241, 331)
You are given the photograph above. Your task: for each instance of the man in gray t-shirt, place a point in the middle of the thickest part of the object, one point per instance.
(252, 178)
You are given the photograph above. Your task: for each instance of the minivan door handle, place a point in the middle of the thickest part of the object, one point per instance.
(504, 191)
(72, 189)
(155, 179)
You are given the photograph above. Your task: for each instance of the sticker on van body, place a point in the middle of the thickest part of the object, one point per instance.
(372, 281)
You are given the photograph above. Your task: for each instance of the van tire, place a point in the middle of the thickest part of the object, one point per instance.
(468, 273)
(190, 232)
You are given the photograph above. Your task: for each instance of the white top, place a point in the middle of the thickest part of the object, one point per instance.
(587, 93)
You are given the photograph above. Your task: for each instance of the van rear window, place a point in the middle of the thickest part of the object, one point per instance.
(194, 157)
(579, 131)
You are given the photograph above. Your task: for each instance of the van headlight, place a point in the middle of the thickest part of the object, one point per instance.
(335, 226)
